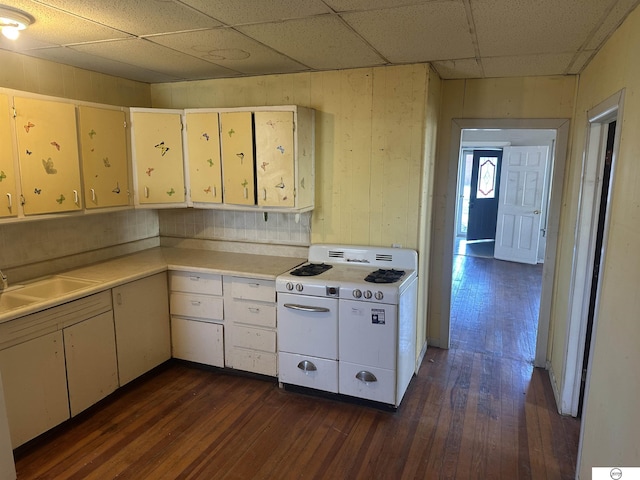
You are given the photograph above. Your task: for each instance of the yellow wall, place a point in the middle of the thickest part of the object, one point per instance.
(502, 98)
(34, 75)
(611, 415)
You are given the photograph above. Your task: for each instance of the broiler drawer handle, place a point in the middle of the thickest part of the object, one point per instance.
(305, 308)
(366, 377)
(307, 366)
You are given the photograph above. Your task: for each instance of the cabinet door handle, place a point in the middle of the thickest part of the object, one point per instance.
(264, 194)
(93, 195)
(119, 299)
(75, 197)
(215, 192)
(10, 201)
(246, 192)
(146, 192)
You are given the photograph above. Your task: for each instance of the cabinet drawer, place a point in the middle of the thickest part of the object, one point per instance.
(253, 289)
(255, 338)
(198, 306)
(321, 374)
(253, 313)
(257, 362)
(196, 341)
(205, 283)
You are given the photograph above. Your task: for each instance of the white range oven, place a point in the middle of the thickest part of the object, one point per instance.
(347, 322)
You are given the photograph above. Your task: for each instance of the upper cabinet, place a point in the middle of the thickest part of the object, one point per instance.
(238, 166)
(8, 194)
(203, 156)
(48, 155)
(158, 163)
(103, 143)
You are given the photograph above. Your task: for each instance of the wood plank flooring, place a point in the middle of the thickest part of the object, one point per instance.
(476, 411)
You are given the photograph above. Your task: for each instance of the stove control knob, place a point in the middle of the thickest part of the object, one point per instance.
(289, 286)
(379, 296)
(357, 293)
(299, 287)
(367, 294)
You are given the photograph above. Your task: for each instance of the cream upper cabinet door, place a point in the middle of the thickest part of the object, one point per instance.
(203, 156)
(103, 146)
(8, 205)
(274, 158)
(156, 139)
(48, 155)
(236, 138)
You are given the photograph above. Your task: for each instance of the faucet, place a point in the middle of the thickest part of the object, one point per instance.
(5, 281)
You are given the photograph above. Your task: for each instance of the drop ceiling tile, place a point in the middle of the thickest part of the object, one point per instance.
(230, 49)
(68, 56)
(350, 5)
(527, 65)
(615, 17)
(138, 17)
(520, 27)
(323, 42)
(417, 33)
(154, 57)
(464, 68)
(238, 12)
(54, 27)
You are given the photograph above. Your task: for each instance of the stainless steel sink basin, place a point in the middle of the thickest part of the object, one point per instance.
(53, 286)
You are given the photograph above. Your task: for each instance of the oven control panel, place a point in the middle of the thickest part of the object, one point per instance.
(367, 294)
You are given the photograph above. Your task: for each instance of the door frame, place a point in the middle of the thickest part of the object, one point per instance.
(561, 126)
(598, 119)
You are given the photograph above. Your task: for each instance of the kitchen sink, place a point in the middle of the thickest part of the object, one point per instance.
(53, 286)
(9, 301)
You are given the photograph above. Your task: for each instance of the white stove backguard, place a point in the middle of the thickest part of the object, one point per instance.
(378, 257)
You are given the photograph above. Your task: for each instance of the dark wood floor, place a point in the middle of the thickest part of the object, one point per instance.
(476, 411)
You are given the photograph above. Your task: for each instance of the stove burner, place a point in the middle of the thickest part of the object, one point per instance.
(384, 276)
(310, 269)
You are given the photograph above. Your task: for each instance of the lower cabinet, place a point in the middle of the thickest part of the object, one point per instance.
(197, 313)
(35, 386)
(141, 315)
(49, 377)
(92, 368)
(250, 315)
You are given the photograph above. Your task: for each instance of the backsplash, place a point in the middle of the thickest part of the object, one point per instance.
(281, 228)
(34, 248)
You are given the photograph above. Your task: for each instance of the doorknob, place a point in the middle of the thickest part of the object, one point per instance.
(536, 212)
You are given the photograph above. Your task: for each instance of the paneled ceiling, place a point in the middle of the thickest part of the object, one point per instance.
(174, 40)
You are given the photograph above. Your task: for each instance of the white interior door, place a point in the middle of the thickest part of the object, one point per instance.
(520, 205)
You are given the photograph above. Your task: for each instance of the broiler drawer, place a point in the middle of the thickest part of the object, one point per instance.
(307, 371)
(197, 306)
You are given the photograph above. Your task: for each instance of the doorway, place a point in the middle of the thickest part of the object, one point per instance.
(561, 129)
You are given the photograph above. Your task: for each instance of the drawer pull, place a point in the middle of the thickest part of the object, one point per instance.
(307, 366)
(194, 279)
(305, 308)
(366, 377)
(254, 310)
(195, 303)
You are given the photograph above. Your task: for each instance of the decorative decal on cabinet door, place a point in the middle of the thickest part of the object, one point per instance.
(274, 140)
(162, 148)
(103, 142)
(2, 175)
(48, 155)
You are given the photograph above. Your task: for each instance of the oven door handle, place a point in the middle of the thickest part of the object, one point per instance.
(305, 308)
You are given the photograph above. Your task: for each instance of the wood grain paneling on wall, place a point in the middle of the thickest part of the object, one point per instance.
(370, 127)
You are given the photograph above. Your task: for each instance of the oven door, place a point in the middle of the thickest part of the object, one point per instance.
(308, 325)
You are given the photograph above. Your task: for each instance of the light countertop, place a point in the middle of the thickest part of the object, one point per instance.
(117, 271)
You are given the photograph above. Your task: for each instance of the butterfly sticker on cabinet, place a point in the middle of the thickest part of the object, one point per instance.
(205, 135)
(48, 166)
(171, 192)
(149, 170)
(264, 166)
(162, 148)
(92, 133)
(106, 162)
(37, 191)
(280, 148)
(56, 144)
(60, 199)
(29, 126)
(208, 189)
(2, 175)
(29, 152)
